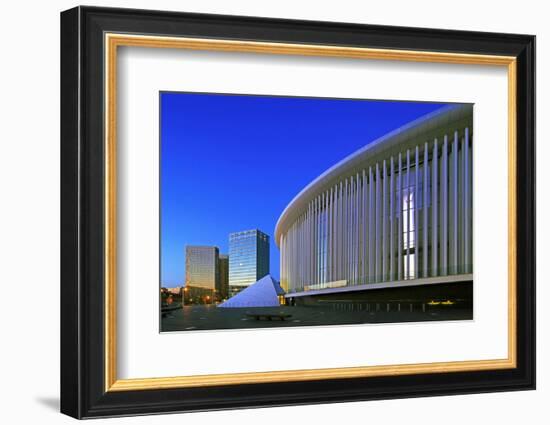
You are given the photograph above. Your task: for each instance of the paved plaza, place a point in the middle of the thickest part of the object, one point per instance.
(208, 317)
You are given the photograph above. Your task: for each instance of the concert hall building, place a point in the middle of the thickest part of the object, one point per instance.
(391, 221)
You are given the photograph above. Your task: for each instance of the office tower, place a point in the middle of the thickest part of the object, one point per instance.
(248, 258)
(223, 268)
(201, 274)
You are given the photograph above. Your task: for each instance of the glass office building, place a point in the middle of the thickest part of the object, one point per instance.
(223, 269)
(201, 273)
(397, 210)
(248, 259)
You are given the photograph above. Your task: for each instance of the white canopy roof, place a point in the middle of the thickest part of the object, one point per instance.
(263, 293)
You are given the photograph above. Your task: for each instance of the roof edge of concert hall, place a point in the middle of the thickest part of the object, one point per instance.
(425, 128)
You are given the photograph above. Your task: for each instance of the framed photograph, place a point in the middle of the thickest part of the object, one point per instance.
(261, 212)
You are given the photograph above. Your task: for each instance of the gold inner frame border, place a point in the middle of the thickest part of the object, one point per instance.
(113, 40)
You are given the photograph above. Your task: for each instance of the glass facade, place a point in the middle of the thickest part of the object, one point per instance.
(248, 258)
(201, 267)
(223, 268)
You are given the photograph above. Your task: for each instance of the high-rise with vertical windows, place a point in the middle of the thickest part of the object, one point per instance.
(396, 211)
(201, 266)
(248, 258)
(223, 269)
(201, 274)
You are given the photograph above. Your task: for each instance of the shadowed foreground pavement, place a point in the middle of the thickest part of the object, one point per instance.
(208, 317)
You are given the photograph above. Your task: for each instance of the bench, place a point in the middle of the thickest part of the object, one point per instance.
(269, 316)
(165, 309)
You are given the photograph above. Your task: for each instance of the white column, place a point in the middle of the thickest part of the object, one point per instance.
(318, 247)
(321, 235)
(304, 241)
(353, 233)
(326, 230)
(308, 242)
(345, 233)
(333, 238)
(322, 246)
(313, 252)
(444, 209)
(294, 253)
(340, 227)
(292, 281)
(330, 247)
(299, 263)
(303, 266)
(334, 234)
(378, 245)
(399, 199)
(467, 190)
(302, 249)
(338, 231)
(288, 260)
(453, 238)
(311, 243)
(317, 228)
(351, 207)
(384, 222)
(392, 219)
(297, 257)
(372, 231)
(327, 234)
(282, 263)
(470, 202)
(416, 211)
(425, 212)
(407, 223)
(358, 228)
(299, 250)
(285, 262)
(435, 205)
(365, 220)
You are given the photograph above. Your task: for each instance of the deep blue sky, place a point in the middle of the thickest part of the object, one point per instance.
(233, 162)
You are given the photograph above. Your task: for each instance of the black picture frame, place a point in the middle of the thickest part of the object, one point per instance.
(83, 392)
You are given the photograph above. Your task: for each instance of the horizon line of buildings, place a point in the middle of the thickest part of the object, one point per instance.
(212, 277)
(393, 220)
